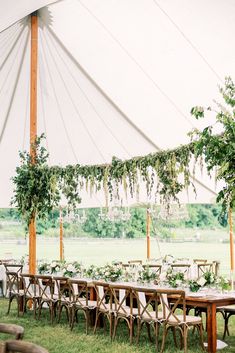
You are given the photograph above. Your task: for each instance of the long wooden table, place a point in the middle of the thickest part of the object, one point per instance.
(210, 303)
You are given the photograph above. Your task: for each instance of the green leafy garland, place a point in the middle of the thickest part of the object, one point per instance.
(39, 188)
(219, 149)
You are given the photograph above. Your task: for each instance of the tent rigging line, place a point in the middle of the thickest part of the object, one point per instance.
(11, 49)
(9, 30)
(124, 116)
(104, 94)
(7, 42)
(43, 115)
(57, 102)
(188, 40)
(15, 87)
(14, 61)
(74, 105)
(89, 101)
(164, 94)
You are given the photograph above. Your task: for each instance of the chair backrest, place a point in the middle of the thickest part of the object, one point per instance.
(170, 299)
(29, 285)
(154, 267)
(200, 261)
(216, 266)
(203, 268)
(11, 346)
(147, 300)
(79, 291)
(15, 330)
(45, 286)
(184, 268)
(62, 287)
(12, 279)
(120, 295)
(135, 262)
(9, 267)
(103, 296)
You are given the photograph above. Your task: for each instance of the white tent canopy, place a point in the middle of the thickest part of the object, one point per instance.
(116, 78)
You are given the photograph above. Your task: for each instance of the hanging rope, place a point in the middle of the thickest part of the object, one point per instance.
(14, 89)
(164, 94)
(188, 40)
(75, 107)
(57, 101)
(88, 99)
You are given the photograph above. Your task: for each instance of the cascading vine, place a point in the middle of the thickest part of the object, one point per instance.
(39, 187)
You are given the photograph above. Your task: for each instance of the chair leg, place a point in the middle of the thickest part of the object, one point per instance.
(200, 330)
(11, 297)
(185, 334)
(164, 334)
(156, 335)
(174, 336)
(149, 332)
(96, 320)
(72, 318)
(138, 330)
(226, 319)
(115, 327)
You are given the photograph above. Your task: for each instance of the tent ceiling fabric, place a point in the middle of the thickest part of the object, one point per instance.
(116, 78)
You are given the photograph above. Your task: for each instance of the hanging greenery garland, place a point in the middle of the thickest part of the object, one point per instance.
(39, 188)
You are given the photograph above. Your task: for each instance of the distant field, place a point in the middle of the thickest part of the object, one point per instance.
(100, 251)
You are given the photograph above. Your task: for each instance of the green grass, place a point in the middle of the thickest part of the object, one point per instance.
(58, 338)
(100, 251)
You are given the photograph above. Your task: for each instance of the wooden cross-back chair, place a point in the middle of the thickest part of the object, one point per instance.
(14, 289)
(11, 268)
(170, 300)
(147, 300)
(104, 305)
(155, 267)
(120, 294)
(185, 268)
(31, 291)
(63, 296)
(204, 267)
(45, 292)
(80, 301)
(13, 346)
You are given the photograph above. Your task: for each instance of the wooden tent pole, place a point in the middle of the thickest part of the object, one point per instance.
(231, 245)
(148, 224)
(61, 236)
(33, 130)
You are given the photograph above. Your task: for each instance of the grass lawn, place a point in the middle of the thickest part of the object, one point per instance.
(100, 251)
(58, 338)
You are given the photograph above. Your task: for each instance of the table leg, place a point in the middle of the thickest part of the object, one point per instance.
(211, 328)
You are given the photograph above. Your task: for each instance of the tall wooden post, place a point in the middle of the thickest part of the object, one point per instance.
(148, 225)
(61, 236)
(230, 215)
(33, 129)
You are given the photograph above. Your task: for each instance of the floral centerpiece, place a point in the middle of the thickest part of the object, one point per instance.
(69, 270)
(43, 268)
(112, 273)
(146, 274)
(55, 267)
(175, 279)
(208, 279)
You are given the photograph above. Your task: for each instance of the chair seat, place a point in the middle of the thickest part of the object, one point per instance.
(227, 308)
(189, 320)
(151, 317)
